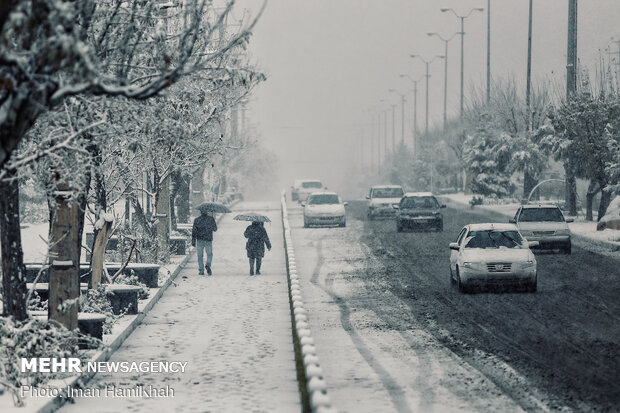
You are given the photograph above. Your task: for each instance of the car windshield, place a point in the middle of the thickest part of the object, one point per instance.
(323, 199)
(494, 239)
(541, 214)
(387, 193)
(312, 184)
(419, 202)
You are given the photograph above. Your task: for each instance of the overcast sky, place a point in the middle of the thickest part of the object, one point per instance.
(329, 64)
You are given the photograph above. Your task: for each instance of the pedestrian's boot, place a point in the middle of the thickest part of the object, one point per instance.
(208, 267)
(251, 266)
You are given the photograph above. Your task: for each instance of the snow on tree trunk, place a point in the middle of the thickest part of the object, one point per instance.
(102, 226)
(162, 220)
(14, 291)
(198, 187)
(604, 204)
(571, 191)
(593, 189)
(529, 182)
(65, 231)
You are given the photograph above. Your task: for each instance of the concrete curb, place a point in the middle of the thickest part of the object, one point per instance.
(582, 240)
(313, 387)
(104, 355)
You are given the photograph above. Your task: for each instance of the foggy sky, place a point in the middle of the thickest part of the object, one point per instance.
(329, 63)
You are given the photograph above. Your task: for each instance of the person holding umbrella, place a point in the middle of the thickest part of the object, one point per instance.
(202, 233)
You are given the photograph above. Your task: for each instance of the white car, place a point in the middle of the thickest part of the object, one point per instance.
(545, 224)
(492, 254)
(324, 208)
(304, 187)
(382, 199)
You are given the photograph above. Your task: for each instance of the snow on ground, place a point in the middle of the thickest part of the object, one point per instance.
(368, 364)
(579, 227)
(233, 330)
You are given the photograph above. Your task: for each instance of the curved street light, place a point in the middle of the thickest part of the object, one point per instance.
(415, 109)
(427, 62)
(402, 118)
(445, 74)
(462, 33)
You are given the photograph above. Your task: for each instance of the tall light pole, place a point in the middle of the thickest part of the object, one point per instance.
(488, 52)
(402, 114)
(415, 111)
(529, 70)
(393, 131)
(462, 33)
(427, 62)
(445, 76)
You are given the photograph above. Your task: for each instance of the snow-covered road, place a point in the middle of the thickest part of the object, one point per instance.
(233, 330)
(370, 364)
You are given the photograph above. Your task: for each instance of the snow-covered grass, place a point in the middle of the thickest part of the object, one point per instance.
(586, 229)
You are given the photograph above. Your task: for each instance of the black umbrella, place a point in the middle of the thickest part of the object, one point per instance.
(213, 207)
(251, 216)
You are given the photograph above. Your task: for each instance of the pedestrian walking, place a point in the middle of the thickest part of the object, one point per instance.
(202, 238)
(255, 246)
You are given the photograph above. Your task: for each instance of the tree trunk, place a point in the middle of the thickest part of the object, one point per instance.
(605, 201)
(175, 177)
(14, 291)
(571, 190)
(98, 257)
(529, 182)
(183, 200)
(198, 187)
(593, 189)
(64, 285)
(162, 220)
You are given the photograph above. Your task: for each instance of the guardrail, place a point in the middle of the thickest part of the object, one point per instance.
(312, 384)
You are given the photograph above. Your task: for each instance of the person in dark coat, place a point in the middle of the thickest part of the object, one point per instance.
(202, 238)
(255, 246)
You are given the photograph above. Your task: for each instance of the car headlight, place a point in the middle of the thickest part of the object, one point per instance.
(528, 264)
(564, 231)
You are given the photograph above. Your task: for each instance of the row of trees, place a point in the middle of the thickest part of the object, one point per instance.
(500, 139)
(99, 98)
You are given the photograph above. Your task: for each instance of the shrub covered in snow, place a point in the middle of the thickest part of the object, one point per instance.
(29, 339)
(97, 301)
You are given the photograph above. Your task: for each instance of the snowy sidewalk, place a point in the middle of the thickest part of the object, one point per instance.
(233, 330)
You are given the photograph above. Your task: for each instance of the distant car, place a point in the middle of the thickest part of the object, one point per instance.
(382, 199)
(545, 224)
(419, 210)
(492, 255)
(324, 208)
(304, 187)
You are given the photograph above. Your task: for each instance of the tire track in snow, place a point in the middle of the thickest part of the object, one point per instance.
(396, 392)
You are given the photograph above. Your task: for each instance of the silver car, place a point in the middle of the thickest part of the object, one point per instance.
(492, 255)
(545, 224)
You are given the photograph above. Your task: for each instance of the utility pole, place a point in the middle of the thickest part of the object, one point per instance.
(462, 33)
(571, 89)
(427, 62)
(529, 70)
(445, 76)
(488, 52)
(385, 144)
(402, 113)
(571, 53)
(393, 131)
(378, 141)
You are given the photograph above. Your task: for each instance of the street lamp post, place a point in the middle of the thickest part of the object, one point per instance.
(462, 33)
(393, 132)
(402, 114)
(415, 111)
(427, 62)
(445, 76)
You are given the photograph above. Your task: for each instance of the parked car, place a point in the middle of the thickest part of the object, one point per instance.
(492, 254)
(324, 208)
(419, 210)
(382, 199)
(545, 224)
(304, 187)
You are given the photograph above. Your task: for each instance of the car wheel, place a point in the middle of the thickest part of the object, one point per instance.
(532, 287)
(462, 287)
(440, 227)
(452, 280)
(306, 225)
(567, 250)
(399, 227)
